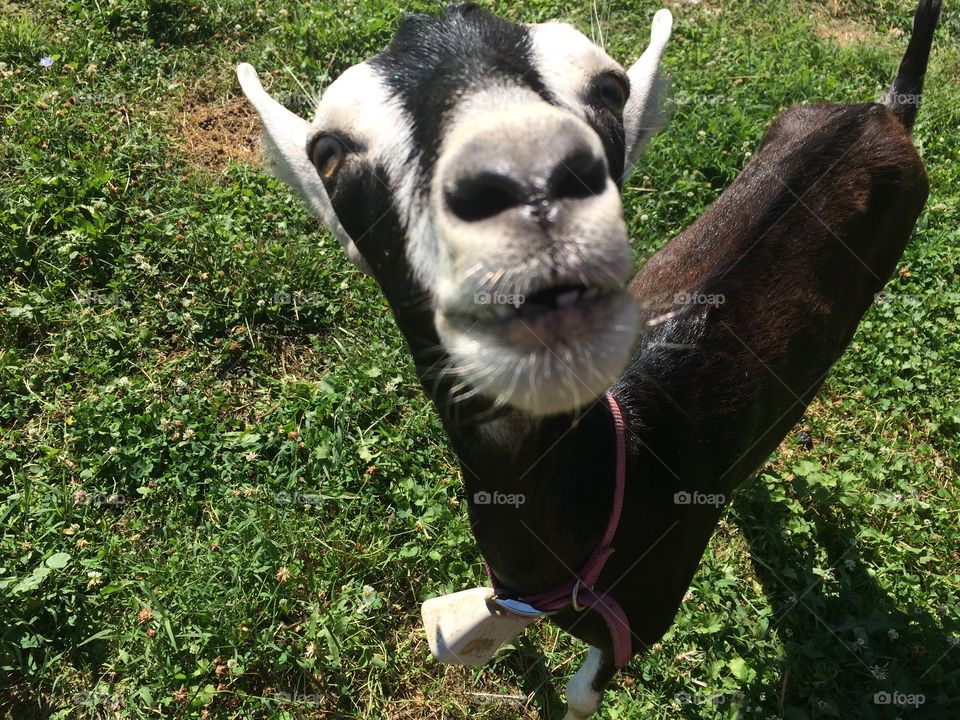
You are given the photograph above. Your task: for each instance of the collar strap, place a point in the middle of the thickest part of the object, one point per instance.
(579, 591)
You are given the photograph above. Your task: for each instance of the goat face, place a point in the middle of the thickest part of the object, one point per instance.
(473, 167)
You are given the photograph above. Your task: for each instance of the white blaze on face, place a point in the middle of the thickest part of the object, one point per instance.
(533, 354)
(471, 253)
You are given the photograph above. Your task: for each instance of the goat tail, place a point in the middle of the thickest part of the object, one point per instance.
(907, 89)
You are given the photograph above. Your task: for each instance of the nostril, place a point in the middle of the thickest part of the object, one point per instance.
(580, 175)
(483, 196)
(539, 182)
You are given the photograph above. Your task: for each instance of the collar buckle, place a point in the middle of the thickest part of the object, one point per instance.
(519, 608)
(573, 597)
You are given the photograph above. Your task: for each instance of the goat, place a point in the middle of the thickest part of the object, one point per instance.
(474, 168)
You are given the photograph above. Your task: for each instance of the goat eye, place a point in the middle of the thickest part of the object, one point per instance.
(613, 93)
(327, 155)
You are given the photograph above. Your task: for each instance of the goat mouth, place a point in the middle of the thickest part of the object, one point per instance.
(551, 319)
(502, 308)
(547, 353)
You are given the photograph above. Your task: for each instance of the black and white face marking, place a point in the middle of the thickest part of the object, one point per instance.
(478, 162)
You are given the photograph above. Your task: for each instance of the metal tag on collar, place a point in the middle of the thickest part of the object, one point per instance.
(518, 607)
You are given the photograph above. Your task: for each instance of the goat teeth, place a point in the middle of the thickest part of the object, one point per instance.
(568, 298)
(591, 294)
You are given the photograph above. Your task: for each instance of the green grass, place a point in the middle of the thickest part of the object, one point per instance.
(212, 440)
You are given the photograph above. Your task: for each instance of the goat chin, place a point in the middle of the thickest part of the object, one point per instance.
(546, 366)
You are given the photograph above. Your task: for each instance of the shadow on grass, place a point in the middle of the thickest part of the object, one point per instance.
(849, 650)
(537, 680)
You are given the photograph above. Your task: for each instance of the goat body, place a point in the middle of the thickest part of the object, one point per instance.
(792, 255)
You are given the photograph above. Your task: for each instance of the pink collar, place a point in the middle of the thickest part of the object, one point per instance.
(578, 591)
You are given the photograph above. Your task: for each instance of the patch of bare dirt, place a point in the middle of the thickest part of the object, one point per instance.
(836, 20)
(711, 7)
(217, 131)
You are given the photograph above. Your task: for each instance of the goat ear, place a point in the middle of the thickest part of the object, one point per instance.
(285, 138)
(644, 113)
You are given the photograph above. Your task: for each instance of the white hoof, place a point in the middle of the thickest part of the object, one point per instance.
(582, 700)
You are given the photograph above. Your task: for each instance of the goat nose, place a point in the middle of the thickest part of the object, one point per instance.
(539, 175)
